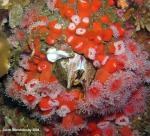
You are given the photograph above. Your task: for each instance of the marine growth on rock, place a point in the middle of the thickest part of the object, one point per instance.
(79, 71)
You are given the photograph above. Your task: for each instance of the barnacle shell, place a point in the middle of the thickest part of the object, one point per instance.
(76, 71)
(4, 55)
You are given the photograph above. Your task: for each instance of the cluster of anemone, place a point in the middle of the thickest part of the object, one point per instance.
(122, 68)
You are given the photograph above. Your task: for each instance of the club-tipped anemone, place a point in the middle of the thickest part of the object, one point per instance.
(45, 116)
(51, 4)
(136, 103)
(91, 53)
(45, 104)
(36, 24)
(122, 120)
(20, 76)
(126, 131)
(103, 124)
(118, 88)
(32, 85)
(85, 108)
(115, 31)
(110, 117)
(132, 47)
(147, 72)
(128, 60)
(110, 97)
(65, 97)
(107, 109)
(108, 129)
(132, 62)
(145, 55)
(71, 124)
(94, 92)
(63, 111)
(24, 62)
(30, 100)
(67, 103)
(134, 57)
(51, 89)
(76, 19)
(29, 18)
(13, 89)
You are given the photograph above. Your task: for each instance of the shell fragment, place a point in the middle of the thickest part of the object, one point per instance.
(53, 54)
